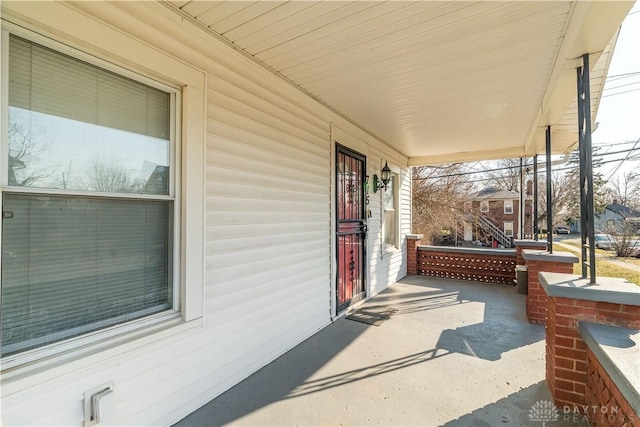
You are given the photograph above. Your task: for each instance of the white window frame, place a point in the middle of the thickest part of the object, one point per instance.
(484, 205)
(188, 86)
(508, 228)
(467, 207)
(508, 207)
(396, 208)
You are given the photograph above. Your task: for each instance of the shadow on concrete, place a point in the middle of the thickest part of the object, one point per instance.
(280, 379)
(502, 412)
(502, 329)
(366, 372)
(430, 301)
(488, 340)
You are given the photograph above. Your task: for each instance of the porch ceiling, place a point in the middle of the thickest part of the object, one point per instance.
(438, 81)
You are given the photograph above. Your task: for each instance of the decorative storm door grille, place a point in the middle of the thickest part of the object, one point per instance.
(352, 227)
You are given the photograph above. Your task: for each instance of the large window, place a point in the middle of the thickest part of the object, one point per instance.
(88, 199)
(390, 213)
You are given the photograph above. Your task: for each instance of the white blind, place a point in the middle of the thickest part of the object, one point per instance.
(75, 264)
(49, 82)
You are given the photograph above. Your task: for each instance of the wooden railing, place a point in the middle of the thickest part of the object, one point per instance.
(481, 265)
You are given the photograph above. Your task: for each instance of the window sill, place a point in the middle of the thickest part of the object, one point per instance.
(24, 370)
(390, 250)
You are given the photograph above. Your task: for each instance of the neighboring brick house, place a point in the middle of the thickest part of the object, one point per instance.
(616, 217)
(492, 217)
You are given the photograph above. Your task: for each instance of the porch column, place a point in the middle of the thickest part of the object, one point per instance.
(535, 197)
(587, 211)
(521, 210)
(549, 207)
(538, 261)
(413, 240)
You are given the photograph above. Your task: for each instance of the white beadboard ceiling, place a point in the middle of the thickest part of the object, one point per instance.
(438, 81)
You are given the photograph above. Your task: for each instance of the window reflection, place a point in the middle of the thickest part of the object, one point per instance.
(47, 151)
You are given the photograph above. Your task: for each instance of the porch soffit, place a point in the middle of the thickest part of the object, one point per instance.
(437, 81)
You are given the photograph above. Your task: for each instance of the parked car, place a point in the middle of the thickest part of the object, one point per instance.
(605, 241)
(562, 229)
(635, 248)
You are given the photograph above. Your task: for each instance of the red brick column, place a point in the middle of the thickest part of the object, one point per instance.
(536, 262)
(566, 361)
(520, 245)
(413, 241)
(571, 300)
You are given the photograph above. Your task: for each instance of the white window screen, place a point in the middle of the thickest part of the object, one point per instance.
(79, 262)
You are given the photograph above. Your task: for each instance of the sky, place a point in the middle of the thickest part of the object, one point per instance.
(618, 116)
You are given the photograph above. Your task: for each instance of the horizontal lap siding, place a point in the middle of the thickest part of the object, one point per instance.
(386, 268)
(268, 256)
(268, 212)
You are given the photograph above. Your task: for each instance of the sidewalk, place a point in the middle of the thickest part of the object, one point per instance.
(454, 353)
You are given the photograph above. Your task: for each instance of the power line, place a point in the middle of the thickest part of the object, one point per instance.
(620, 93)
(613, 144)
(541, 172)
(623, 75)
(623, 160)
(624, 85)
(596, 156)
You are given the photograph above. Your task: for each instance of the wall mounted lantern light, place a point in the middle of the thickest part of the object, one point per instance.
(383, 181)
(385, 175)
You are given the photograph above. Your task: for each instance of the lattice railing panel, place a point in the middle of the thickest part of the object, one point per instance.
(480, 267)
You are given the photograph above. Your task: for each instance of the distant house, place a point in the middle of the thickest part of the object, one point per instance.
(617, 218)
(492, 217)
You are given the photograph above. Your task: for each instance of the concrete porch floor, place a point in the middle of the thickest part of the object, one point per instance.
(455, 354)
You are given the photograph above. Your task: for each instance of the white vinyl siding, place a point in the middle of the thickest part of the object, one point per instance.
(268, 262)
(384, 266)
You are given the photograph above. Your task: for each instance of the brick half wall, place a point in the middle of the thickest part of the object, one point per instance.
(613, 302)
(566, 367)
(606, 406)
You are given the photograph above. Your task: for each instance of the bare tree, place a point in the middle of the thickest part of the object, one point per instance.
(507, 177)
(625, 189)
(25, 144)
(106, 176)
(562, 198)
(438, 194)
(625, 233)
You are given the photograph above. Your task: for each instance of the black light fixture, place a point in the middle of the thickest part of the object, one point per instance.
(385, 175)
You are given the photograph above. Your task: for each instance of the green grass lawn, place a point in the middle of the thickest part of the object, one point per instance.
(605, 268)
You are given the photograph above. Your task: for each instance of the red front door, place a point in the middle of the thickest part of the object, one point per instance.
(351, 224)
